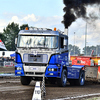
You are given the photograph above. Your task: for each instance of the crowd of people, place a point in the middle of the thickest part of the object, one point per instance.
(7, 61)
(7, 58)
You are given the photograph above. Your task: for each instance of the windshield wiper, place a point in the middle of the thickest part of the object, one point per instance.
(38, 48)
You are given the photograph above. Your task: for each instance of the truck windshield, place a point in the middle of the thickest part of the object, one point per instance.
(38, 41)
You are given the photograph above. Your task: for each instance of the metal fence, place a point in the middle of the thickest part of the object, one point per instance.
(1, 63)
(7, 63)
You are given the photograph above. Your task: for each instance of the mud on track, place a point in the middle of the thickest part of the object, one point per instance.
(11, 89)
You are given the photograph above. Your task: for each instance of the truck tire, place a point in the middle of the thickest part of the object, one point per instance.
(63, 80)
(81, 80)
(25, 80)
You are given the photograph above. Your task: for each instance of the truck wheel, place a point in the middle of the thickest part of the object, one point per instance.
(63, 80)
(25, 80)
(81, 79)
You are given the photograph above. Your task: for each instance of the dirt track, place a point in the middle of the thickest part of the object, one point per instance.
(11, 89)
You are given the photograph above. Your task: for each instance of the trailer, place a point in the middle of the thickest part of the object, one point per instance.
(92, 66)
(42, 52)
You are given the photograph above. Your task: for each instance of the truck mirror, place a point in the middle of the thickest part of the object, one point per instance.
(15, 41)
(65, 42)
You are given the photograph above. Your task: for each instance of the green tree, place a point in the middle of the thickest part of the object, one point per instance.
(2, 37)
(90, 48)
(74, 49)
(10, 32)
(22, 27)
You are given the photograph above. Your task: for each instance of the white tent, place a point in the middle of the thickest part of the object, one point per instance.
(2, 46)
(7, 53)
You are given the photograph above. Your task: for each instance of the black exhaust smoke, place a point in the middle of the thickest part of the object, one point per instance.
(77, 9)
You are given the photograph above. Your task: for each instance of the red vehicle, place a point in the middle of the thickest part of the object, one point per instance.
(92, 66)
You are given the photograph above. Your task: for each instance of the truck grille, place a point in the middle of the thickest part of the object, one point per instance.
(35, 64)
(30, 73)
(39, 58)
(34, 73)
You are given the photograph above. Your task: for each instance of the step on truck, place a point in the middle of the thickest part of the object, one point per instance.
(42, 52)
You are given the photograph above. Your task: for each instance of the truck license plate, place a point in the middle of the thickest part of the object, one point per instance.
(33, 68)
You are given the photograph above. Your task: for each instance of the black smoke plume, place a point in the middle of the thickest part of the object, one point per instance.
(77, 9)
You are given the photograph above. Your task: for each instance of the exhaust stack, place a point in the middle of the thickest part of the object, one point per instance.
(66, 31)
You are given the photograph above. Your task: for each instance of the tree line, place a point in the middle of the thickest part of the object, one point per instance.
(75, 50)
(11, 31)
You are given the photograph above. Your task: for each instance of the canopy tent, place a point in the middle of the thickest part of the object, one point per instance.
(2, 46)
(12, 55)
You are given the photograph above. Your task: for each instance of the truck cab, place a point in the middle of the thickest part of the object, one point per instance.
(43, 52)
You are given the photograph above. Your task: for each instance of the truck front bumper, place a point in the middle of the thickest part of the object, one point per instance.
(38, 71)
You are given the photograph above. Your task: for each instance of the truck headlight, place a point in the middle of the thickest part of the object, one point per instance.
(18, 72)
(51, 74)
(49, 69)
(19, 68)
(52, 69)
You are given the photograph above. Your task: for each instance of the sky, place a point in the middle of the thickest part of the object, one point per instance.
(49, 14)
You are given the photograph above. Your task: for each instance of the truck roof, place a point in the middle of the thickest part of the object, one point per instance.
(41, 32)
